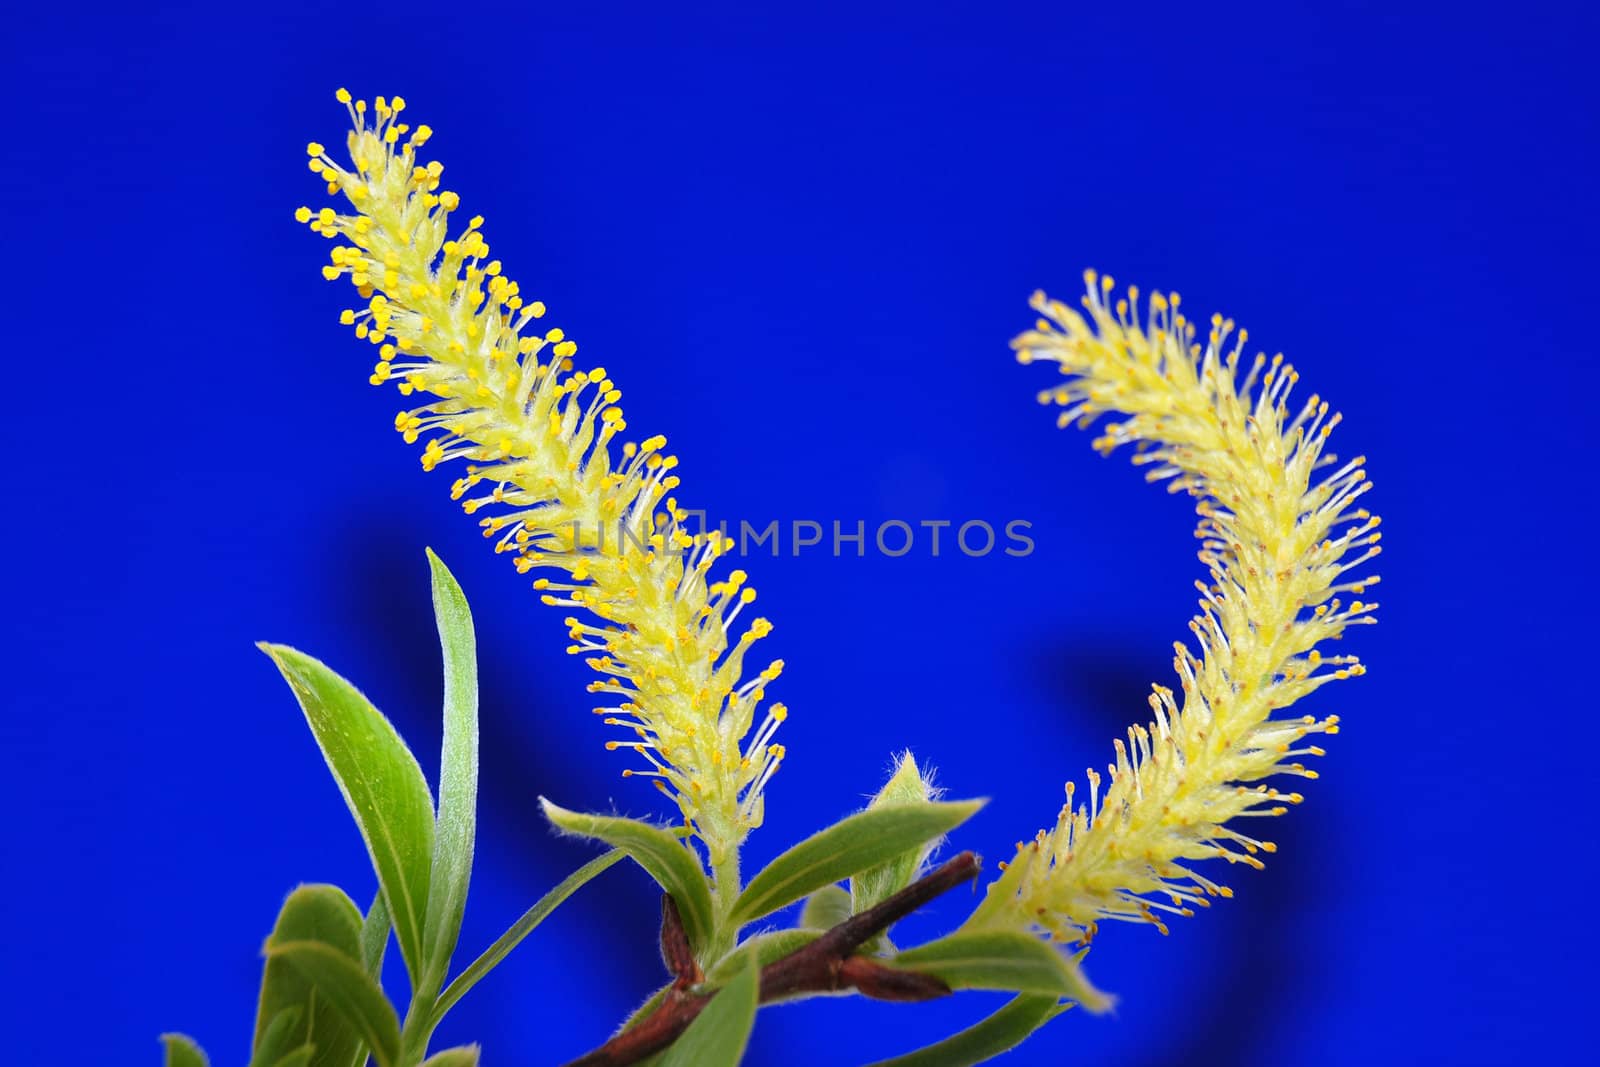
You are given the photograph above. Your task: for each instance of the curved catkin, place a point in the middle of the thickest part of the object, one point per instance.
(452, 331)
(1280, 533)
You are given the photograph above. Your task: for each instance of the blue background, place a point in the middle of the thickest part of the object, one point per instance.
(800, 242)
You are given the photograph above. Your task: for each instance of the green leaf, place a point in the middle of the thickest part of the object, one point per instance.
(825, 909)
(906, 785)
(461, 1056)
(1000, 1032)
(381, 783)
(277, 1047)
(719, 1034)
(291, 1011)
(374, 942)
(862, 841)
(1003, 959)
(651, 1003)
(183, 1052)
(662, 854)
(281, 1035)
(768, 947)
(519, 930)
(458, 778)
(340, 978)
(375, 937)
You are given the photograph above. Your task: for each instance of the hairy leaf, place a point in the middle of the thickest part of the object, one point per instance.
(521, 929)
(643, 1011)
(862, 841)
(906, 785)
(825, 909)
(663, 855)
(1000, 1032)
(456, 828)
(381, 783)
(340, 978)
(768, 947)
(183, 1052)
(282, 1034)
(291, 1011)
(1003, 959)
(719, 1034)
(375, 936)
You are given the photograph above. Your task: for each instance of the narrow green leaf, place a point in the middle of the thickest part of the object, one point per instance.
(768, 947)
(381, 783)
(461, 1056)
(282, 1034)
(825, 909)
(291, 1010)
(651, 1003)
(521, 929)
(662, 854)
(719, 1034)
(1003, 959)
(907, 785)
(340, 978)
(183, 1052)
(862, 841)
(456, 829)
(375, 937)
(278, 1049)
(374, 943)
(1000, 1032)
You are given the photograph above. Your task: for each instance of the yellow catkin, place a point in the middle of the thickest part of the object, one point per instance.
(1280, 533)
(450, 328)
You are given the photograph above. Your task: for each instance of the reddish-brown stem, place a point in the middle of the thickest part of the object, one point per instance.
(675, 949)
(826, 965)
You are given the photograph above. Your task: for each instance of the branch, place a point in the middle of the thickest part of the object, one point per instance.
(826, 965)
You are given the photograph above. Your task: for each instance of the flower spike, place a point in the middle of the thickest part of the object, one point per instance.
(455, 333)
(1279, 545)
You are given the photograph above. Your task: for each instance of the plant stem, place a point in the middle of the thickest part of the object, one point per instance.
(725, 885)
(417, 1030)
(421, 1017)
(826, 965)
